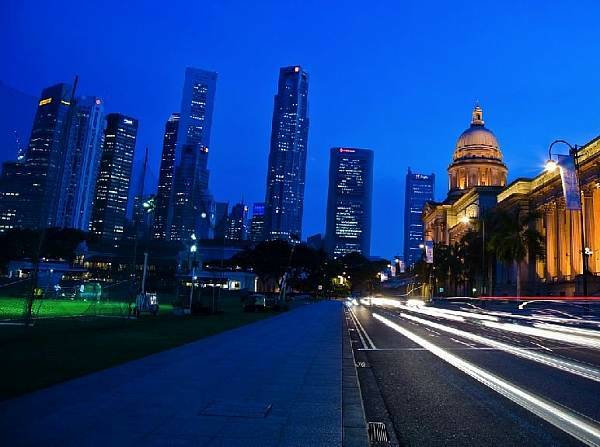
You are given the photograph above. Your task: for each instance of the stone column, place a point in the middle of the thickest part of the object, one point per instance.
(551, 241)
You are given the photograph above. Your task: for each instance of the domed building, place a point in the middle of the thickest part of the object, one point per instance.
(477, 159)
(475, 177)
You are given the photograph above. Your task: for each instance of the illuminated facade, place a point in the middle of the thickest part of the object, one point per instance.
(287, 156)
(348, 226)
(418, 191)
(112, 186)
(165, 179)
(237, 223)
(29, 189)
(257, 223)
(560, 271)
(476, 175)
(191, 207)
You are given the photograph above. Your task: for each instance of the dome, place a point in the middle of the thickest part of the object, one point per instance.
(477, 141)
(477, 159)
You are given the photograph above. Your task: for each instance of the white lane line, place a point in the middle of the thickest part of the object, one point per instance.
(371, 345)
(462, 342)
(584, 429)
(545, 359)
(362, 340)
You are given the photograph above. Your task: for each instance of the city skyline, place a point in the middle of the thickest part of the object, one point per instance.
(396, 121)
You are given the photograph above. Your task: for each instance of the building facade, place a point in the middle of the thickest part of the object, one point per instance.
(165, 178)
(257, 223)
(418, 191)
(32, 200)
(237, 223)
(287, 156)
(112, 186)
(191, 207)
(81, 162)
(348, 223)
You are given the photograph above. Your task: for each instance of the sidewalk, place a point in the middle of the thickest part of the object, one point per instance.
(276, 382)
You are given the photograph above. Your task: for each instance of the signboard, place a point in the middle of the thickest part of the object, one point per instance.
(429, 252)
(570, 184)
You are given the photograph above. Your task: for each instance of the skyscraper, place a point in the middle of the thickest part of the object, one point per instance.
(287, 156)
(112, 186)
(31, 201)
(221, 216)
(257, 222)
(82, 158)
(165, 178)
(419, 190)
(348, 227)
(237, 223)
(191, 207)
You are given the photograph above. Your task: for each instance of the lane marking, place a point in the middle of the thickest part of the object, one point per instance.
(584, 429)
(545, 359)
(370, 345)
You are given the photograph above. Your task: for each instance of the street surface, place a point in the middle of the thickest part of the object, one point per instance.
(468, 373)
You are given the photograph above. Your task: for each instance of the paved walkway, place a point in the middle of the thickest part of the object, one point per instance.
(273, 383)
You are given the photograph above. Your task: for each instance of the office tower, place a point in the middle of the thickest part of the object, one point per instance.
(32, 200)
(82, 158)
(221, 216)
(257, 223)
(348, 227)
(237, 223)
(287, 156)
(191, 208)
(165, 178)
(419, 190)
(315, 241)
(112, 186)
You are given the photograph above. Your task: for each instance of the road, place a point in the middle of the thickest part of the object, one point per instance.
(465, 375)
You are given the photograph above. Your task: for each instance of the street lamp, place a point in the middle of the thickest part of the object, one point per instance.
(551, 166)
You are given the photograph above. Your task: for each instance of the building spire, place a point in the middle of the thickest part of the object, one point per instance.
(477, 116)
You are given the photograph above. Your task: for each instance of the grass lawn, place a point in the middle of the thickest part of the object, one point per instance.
(57, 349)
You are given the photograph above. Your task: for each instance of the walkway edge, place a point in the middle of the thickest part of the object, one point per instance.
(354, 425)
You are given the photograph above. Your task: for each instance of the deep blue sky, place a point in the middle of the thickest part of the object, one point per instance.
(397, 77)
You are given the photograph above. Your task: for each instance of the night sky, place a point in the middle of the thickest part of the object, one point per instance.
(397, 77)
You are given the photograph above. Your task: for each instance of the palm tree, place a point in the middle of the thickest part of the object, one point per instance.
(513, 238)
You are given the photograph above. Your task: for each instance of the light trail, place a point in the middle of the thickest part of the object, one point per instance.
(584, 429)
(545, 359)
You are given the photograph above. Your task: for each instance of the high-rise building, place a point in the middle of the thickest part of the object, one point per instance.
(257, 222)
(191, 207)
(112, 186)
(287, 156)
(221, 216)
(82, 158)
(165, 178)
(237, 223)
(348, 227)
(32, 200)
(419, 190)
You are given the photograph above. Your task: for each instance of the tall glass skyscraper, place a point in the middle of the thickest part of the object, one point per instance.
(191, 207)
(257, 222)
(112, 187)
(165, 178)
(419, 190)
(287, 156)
(237, 223)
(82, 158)
(30, 187)
(349, 201)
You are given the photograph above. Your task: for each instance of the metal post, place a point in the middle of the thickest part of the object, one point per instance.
(584, 265)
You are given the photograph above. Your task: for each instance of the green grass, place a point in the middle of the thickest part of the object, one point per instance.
(57, 349)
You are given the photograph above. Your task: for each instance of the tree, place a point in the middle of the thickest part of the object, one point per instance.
(513, 238)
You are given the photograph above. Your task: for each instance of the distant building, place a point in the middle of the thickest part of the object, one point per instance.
(165, 178)
(112, 187)
(418, 191)
(287, 156)
(191, 207)
(348, 227)
(221, 216)
(257, 223)
(81, 162)
(32, 200)
(237, 223)
(315, 241)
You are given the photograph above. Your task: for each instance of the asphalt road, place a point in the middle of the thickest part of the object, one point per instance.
(462, 375)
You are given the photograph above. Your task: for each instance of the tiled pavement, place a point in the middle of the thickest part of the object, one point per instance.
(276, 382)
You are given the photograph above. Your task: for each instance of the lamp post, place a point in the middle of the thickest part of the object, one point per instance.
(193, 250)
(467, 220)
(551, 166)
